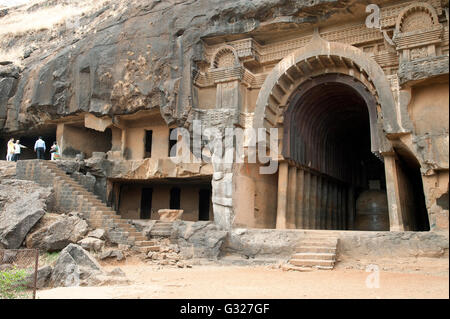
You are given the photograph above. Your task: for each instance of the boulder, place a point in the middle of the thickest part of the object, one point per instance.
(43, 277)
(98, 233)
(23, 203)
(113, 253)
(74, 267)
(92, 244)
(69, 166)
(202, 239)
(57, 235)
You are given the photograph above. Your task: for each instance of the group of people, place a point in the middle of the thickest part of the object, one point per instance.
(14, 150)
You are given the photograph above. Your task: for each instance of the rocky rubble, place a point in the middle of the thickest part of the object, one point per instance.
(168, 255)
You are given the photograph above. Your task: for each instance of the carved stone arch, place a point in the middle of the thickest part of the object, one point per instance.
(224, 57)
(422, 15)
(323, 57)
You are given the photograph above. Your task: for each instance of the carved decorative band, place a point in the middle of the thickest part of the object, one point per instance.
(411, 40)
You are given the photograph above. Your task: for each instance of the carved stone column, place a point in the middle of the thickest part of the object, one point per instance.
(392, 187)
(313, 201)
(306, 199)
(292, 197)
(283, 172)
(300, 190)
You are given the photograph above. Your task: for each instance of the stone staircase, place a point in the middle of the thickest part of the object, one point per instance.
(71, 196)
(161, 229)
(315, 252)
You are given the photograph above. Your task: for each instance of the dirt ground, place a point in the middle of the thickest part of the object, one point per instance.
(425, 279)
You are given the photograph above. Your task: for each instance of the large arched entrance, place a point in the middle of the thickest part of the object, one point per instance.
(339, 183)
(334, 109)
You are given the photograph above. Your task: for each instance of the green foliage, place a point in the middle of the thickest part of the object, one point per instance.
(13, 283)
(49, 258)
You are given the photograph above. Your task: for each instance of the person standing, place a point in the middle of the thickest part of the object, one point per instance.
(17, 150)
(39, 148)
(10, 150)
(54, 150)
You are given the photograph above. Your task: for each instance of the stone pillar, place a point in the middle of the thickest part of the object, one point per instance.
(283, 172)
(292, 197)
(344, 208)
(313, 201)
(334, 208)
(300, 189)
(330, 206)
(338, 208)
(350, 208)
(123, 143)
(318, 203)
(306, 200)
(393, 196)
(323, 212)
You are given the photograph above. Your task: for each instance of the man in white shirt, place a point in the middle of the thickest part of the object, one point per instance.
(39, 148)
(17, 150)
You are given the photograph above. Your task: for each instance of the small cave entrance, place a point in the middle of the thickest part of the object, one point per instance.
(28, 139)
(412, 197)
(204, 204)
(146, 202)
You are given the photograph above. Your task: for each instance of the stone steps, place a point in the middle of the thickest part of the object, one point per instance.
(314, 256)
(314, 253)
(314, 263)
(73, 196)
(315, 249)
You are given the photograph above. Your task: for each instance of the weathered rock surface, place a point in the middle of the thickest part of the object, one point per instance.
(22, 204)
(199, 239)
(7, 169)
(83, 73)
(57, 232)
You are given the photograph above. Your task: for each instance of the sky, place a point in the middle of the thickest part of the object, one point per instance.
(9, 3)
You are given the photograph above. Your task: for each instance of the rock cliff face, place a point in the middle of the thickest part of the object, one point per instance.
(126, 56)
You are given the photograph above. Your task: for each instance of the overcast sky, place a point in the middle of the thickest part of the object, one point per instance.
(9, 3)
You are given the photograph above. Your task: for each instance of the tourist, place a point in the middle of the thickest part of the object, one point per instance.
(17, 150)
(54, 150)
(39, 148)
(10, 150)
